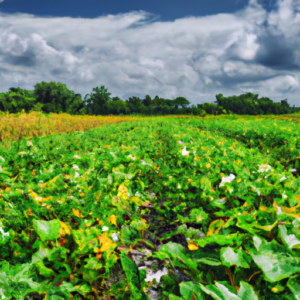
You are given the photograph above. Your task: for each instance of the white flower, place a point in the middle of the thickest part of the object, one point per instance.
(10, 205)
(151, 195)
(264, 168)
(76, 167)
(184, 152)
(76, 156)
(105, 228)
(2, 158)
(227, 179)
(157, 275)
(293, 170)
(279, 211)
(284, 196)
(194, 152)
(4, 233)
(29, 143)
(143, 163)
(76, 175)
(282, 178)
(115, 237)
(1, 168)
(180, 142)
(132, 157)
(178, 186)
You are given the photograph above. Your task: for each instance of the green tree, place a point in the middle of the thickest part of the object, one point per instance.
(13, 102)
(183, 102)
(96, 101)
(55, 97)
(117, 107)
(147, 101)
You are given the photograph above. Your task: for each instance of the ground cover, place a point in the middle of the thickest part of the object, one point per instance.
(16, 126)
(164, 208)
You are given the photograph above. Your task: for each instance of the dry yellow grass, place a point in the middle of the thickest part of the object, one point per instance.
(16, 126)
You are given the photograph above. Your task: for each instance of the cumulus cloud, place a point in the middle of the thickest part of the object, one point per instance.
(133, 54)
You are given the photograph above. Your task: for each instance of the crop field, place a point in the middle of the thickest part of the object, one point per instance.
(151, 208)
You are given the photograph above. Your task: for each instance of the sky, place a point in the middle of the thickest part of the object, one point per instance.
(171, 48)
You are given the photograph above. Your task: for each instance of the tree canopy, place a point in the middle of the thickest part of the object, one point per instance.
(56, 97)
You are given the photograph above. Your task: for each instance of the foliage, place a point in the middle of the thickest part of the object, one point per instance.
(172, 208)
(53, 97)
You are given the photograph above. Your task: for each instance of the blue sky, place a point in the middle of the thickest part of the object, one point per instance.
(170, 48)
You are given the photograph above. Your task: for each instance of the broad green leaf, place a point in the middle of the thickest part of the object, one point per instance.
(275, 261)
(219, 292)
(230, 256)
(293, 285)
(190, 290)
(47, 230)
(289, 240)
(266, 227)
(246, 291)
(176, 253)
(131, 272)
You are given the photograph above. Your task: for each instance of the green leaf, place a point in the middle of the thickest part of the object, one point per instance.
(230, 256)
(176, 253)
(219, 292)
(246, 291)
(174, 297)
(198, 216)
(131, 272)
(275, 261)
(289, 240)
(47, 230)
(190, 289)
(208, 261)
(41, 254)
(293, 285)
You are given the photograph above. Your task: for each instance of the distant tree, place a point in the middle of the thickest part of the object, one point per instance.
(117, 107)
(147, 101)
(55, 97)
(181, 101)
(15, 102)
(96, 101)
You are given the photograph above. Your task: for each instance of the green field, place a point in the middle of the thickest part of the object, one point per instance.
(159, 208)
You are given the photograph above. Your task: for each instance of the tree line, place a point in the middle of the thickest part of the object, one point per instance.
(57, 98)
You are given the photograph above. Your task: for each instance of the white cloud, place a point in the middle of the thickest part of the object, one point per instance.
(133, 55)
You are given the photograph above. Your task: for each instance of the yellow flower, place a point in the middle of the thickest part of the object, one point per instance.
(106, 242)
(190, 180)
(113, 220)
(54, 179)
(208, 165)
(263, 208)
(7, 189)
(82, 194)
(193, 246)
(64, 229)
(77, 213)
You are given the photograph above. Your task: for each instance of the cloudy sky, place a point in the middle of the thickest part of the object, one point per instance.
(171, 48)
